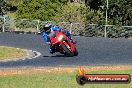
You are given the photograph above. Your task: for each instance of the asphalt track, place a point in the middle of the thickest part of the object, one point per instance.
(92, 51)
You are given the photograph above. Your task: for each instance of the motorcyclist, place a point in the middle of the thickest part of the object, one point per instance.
(49, 31)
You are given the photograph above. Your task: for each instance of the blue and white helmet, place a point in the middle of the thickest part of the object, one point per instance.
(47, 28)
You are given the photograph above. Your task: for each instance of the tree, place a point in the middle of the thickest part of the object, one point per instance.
(3, 7)
(8, 5)
(73, 12)
(94, 11)
(40, 9)
(120, 12)
(94, 4)
(12, 5)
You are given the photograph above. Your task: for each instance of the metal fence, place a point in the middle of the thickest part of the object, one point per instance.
(112, 31)
(78, 29)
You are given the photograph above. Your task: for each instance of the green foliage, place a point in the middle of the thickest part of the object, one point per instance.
(94, 4)
(13, 2)
(8, 5)
(3, 7)
(94, 17)
(72, 12)
(40, 9)
(12, 5)
(120, 12)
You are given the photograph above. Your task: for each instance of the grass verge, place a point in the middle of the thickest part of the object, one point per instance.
(61, 78)
(11, 53)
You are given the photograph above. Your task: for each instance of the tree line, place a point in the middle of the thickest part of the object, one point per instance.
(93, 11)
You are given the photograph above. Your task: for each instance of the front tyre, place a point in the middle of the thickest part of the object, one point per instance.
(66, 50)
(75, 52)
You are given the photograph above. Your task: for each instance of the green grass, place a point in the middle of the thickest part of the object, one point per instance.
(10, 53)
(56, 80)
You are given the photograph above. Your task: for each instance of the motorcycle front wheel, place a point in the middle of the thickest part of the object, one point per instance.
(75, 52)
(67, 51)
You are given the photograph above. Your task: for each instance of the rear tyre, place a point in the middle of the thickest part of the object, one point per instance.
(67, 51)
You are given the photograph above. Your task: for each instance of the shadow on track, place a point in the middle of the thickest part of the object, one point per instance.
(56, 56)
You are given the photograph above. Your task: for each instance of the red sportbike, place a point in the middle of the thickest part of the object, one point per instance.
(63, 44)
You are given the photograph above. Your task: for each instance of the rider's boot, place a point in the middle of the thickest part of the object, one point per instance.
(52, 50)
